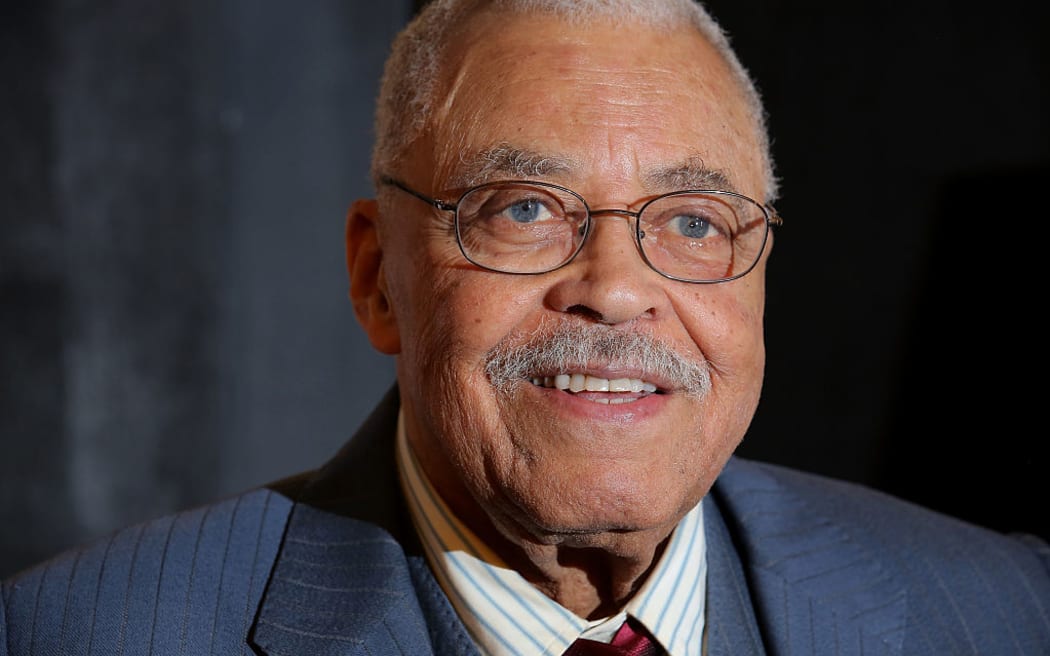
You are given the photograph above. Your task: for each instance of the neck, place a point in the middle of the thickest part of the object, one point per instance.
(592, 582)
(593, 575)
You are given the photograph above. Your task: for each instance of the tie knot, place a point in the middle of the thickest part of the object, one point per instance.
(632, 639)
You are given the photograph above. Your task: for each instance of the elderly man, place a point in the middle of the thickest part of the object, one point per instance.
(566, 257)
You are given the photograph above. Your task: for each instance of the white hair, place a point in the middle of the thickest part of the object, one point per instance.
(406, 95)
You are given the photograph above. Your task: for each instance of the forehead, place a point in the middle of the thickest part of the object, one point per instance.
(595, 99)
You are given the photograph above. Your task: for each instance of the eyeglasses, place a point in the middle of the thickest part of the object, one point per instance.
(524, 227)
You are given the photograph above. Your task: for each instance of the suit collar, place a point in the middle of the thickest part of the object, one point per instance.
(731, 624)
(340, 586)
(349, 577)
(817, 587)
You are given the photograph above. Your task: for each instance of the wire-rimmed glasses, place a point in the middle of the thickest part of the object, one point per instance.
(527, 227)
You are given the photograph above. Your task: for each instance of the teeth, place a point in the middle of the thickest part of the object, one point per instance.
(593, 384)
(582, 382)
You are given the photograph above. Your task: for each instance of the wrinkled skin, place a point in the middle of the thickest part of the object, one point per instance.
(578, 496)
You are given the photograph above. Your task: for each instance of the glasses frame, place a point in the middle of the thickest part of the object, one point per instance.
(772, 220)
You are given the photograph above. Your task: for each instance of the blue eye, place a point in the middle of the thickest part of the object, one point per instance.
(526, 211)
(511, 203)
(690, 226)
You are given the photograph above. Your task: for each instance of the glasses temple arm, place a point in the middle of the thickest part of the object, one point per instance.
(439, 204)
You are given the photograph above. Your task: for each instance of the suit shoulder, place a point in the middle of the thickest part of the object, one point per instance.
(871, 512)
(883, 566)
(160, 582)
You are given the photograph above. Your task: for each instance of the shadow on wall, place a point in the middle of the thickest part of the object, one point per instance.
(968, 428)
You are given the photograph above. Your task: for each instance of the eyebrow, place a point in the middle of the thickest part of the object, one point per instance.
(690, 174)
(505, 160)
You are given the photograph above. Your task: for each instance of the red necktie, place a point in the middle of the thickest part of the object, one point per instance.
(631, 640)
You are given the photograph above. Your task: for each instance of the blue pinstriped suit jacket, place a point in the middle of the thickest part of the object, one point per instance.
(327, 563)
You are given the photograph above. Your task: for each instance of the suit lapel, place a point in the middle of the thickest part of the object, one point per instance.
(817, 588)
(340, 586)
(731, 625)
(350, 577)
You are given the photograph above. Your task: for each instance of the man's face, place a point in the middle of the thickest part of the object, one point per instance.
(619, 116)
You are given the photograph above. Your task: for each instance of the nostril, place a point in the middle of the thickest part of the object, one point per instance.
(584, 311)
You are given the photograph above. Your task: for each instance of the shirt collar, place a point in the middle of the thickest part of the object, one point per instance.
(505, 614)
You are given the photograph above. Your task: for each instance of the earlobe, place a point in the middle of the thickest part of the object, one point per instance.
(364, 264)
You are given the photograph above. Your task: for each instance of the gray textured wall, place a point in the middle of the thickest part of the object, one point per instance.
(173, 316)
(175, 323)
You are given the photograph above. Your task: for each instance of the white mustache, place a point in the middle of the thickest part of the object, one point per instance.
(575, 348)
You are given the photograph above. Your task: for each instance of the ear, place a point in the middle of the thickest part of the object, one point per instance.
(364, 264)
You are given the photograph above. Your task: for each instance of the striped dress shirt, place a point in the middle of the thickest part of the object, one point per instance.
(507, 616)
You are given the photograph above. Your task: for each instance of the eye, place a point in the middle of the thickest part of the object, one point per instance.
(516, 205)
(527, 210)
(691, 226)
(690, 218)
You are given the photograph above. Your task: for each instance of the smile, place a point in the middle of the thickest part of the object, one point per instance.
(575, 383)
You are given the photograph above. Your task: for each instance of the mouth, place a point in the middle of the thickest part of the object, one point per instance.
(614, 390)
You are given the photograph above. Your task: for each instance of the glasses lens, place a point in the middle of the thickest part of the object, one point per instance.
(519, 227)
(702, 237)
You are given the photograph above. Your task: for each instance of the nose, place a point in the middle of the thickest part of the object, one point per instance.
(608, 281)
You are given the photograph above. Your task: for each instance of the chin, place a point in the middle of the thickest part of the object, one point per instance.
(582, 512)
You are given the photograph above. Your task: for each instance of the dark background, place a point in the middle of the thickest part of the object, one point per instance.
(173, 316)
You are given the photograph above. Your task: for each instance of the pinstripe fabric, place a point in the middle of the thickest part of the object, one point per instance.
(340, 586)
(835, 568)
(350, 577)
(153, 588)
(732, 628)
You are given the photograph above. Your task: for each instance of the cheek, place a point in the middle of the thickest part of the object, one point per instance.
(450, 314)
(442, 371)
(726, 324)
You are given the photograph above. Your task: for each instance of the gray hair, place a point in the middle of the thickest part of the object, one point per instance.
(406, 95)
